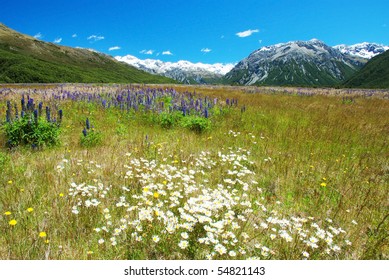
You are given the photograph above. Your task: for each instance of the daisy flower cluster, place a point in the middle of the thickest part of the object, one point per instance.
(207, 207)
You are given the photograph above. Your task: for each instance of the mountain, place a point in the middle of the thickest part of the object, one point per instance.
(298, 63)
(25, 59)
(182, 71)
(364, 50)
(375, 74)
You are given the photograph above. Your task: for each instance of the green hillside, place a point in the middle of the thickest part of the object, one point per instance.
(24, 59)
(375, 74)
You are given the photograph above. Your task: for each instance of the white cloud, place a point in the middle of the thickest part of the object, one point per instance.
(57, 40)
(114, 48)
(74, 35)
(95, 38)
(167, 53)
(38, 36)
(147, 51)
(206, 50)
(246, 33)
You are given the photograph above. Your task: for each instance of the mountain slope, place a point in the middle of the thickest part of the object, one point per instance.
(24, 59)
(298, 63)
(182, 71)
(375, 74)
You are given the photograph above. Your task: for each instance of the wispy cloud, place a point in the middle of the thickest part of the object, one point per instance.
(206, 50)
(167, 53)
(74, 35)
(114, 48)
(95, 38)
(247, 33)
(147, 51)
(57, 40)
(38, 36)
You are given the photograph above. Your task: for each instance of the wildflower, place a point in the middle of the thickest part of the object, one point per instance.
(323, 184)
(7, 213)
(101, 241)
(220, 249)
(185, 235)
(61, 195)
(306, 254)
(232, 253)
(42, 234)
(183, 244)
(156, 238)
(13, 222)
(156, 195)
(10, 182)
(30, 209)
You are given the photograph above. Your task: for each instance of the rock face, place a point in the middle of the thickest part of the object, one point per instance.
(182, 71)
(295, 63)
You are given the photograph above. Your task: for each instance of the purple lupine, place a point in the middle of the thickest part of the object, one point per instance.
(40, 106)
(35, 116)
(48, 114)
(60, 115)
(87, 123)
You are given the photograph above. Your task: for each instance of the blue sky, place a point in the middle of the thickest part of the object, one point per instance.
(206, 31)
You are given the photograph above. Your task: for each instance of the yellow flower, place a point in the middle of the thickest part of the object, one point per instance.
(47, 241)
(324, 178)
(13, 222)
(10, 182)
(7, 213)
(164, 182)
(61, 195)
(30, 209)
(156, 195)
(42, 234)
(145, 189)
(323, 184)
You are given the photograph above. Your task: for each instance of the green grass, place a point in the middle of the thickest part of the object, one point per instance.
(305, 157)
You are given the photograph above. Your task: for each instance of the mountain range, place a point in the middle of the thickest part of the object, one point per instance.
(25, 59)
(298, 63)
(183, 71)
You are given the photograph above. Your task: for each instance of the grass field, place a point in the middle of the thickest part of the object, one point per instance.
(270, 173)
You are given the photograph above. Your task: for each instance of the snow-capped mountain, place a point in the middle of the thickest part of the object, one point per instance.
(295, 63)
(183, 71)
(364, 50)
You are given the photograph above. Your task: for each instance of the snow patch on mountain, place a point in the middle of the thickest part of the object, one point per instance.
(183, 70)
(364, 50)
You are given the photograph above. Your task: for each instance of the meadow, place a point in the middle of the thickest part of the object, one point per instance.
(193, 172)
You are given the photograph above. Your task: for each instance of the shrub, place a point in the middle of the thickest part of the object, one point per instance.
(196, 124)
(33, 131)
(167, 120)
